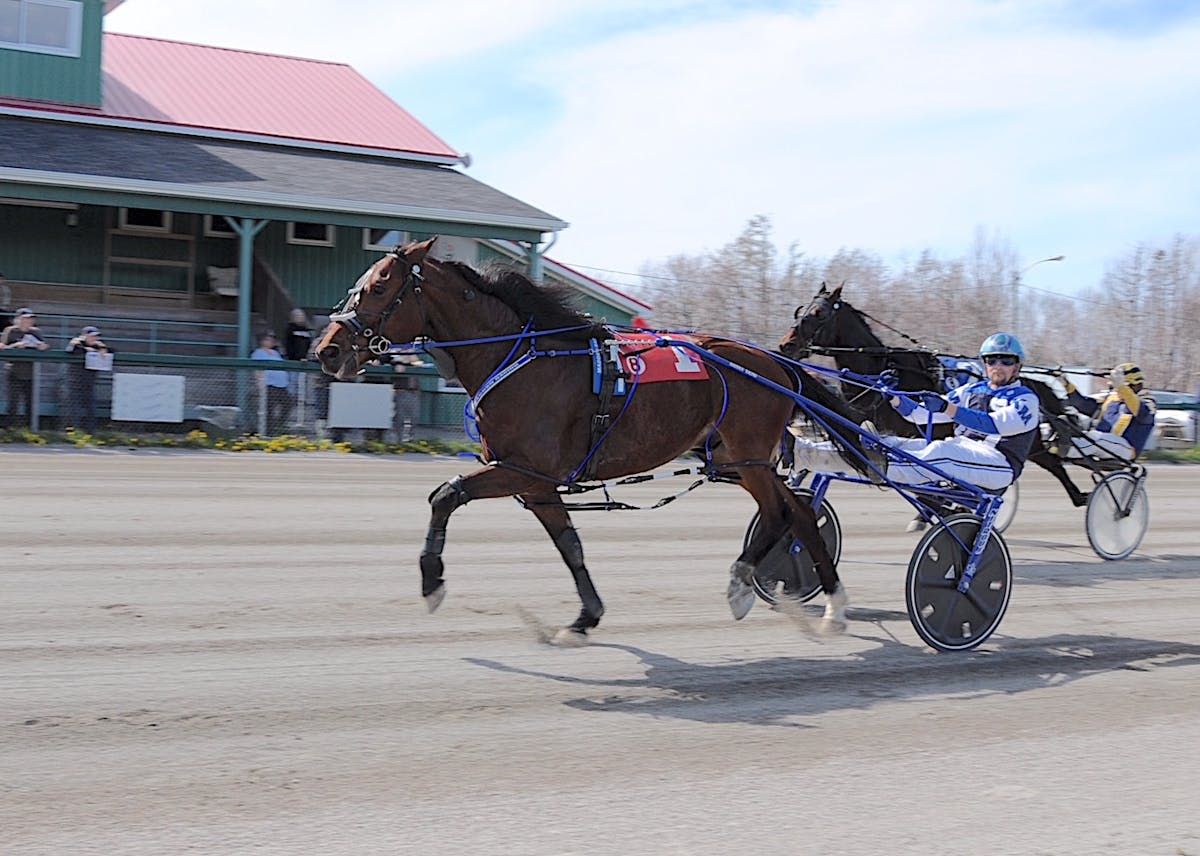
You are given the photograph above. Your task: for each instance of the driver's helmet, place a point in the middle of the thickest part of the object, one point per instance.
(1133, 375)
(1002, 344)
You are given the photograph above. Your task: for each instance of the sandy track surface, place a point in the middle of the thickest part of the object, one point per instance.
(227, 654)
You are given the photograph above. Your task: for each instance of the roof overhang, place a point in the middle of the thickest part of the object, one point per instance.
(42, 160)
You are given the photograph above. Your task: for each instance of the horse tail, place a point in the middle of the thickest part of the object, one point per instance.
(843, 437)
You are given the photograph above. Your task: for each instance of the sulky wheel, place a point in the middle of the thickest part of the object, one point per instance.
(787, 570)
(1008, 509)
(1118, 513)
(945, 618)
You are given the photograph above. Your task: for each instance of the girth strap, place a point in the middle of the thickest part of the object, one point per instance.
(611, 381)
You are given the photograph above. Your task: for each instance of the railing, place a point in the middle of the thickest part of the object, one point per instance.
(54, 390)
(157, 336)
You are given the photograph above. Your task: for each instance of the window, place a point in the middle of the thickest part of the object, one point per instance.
(216, 226)
(310, 234)
(42, 26)
(144, 220)
(383, 239)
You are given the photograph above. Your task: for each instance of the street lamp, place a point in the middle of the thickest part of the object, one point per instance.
(1017, 287)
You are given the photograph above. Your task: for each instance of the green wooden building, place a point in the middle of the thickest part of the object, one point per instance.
(162, 179)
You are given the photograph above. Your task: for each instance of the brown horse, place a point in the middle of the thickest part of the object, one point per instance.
(830, 321)
(536, 423)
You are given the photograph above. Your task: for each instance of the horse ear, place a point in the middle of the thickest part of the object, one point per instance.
(823, 290)
(836, 294)
(415, 253)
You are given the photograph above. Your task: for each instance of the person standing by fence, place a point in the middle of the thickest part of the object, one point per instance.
(273, 386)
(81, 377)
(21, 334)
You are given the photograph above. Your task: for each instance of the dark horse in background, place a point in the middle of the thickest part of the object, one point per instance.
(831, 322)
(536, 424)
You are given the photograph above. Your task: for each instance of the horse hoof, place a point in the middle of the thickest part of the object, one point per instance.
(741, 598)
(834, 619)
(917, 524)
(434, 599)
(831, 627)
(569, 637)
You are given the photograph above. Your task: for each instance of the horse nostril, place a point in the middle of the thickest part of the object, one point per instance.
(328, 352)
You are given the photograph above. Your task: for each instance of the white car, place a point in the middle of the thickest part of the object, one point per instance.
(1175, 420)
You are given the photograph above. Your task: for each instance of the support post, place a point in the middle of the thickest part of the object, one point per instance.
(246, 229)
(35, 396)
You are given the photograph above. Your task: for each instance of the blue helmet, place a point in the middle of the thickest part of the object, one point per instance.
(1002, 343)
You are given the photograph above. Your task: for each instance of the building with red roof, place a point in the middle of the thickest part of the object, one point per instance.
(155, 173)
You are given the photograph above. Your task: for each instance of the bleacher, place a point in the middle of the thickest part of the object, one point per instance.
(130, 326)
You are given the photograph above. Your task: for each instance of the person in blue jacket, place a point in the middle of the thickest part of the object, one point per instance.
(997, 419)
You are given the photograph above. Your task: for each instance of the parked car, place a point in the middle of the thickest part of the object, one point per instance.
(1175, 422)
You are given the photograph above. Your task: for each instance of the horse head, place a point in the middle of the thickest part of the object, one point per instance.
(382, 307)
(815, 323)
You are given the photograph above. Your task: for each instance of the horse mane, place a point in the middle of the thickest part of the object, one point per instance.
(904, 358)
(549, 306)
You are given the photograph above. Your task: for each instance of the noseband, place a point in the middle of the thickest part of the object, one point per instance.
(370, 328)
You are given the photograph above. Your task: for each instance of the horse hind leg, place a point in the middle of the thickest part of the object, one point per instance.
(548, 508)
(804, 528)
(765, 487)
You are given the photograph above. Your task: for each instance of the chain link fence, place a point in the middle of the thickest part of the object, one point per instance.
(143, 393)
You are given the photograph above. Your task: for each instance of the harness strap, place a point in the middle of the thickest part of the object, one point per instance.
(610, 376)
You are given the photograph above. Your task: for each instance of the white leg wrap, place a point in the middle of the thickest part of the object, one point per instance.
(834, 620)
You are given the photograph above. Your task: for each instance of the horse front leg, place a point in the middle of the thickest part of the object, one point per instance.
(548, 508)
(485, 483)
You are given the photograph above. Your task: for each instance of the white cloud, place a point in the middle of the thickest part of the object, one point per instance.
(888, 126)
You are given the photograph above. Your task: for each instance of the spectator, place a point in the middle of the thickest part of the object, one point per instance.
(22, 333)
(81, 378)
(299, 336)
(279, 400)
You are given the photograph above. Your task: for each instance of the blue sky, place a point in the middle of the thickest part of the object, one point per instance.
(1065, 127)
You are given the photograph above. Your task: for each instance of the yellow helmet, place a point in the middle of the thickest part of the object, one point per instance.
(1133, 375)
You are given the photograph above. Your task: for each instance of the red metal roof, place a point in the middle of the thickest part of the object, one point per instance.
(178, 83)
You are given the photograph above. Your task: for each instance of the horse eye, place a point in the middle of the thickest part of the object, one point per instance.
(816, 313)
(377, 290)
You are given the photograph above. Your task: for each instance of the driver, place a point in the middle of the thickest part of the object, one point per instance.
(996, 423)
(1124, 416)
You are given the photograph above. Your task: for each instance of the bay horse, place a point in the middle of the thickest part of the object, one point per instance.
(830, 321)
(536, 423)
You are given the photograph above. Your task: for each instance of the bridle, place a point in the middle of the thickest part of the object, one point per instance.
(823, 319)
(369, 328)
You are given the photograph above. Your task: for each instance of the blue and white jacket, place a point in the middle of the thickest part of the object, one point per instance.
(1006, 417)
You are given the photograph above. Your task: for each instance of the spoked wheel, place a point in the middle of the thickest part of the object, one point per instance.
(1118, 513)
(945, 618)
(787, 570)
(1008, 509)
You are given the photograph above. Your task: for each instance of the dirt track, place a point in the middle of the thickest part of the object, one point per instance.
(226, 654)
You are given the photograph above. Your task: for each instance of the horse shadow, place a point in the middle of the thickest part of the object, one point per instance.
(784, 691)
(1137, 568)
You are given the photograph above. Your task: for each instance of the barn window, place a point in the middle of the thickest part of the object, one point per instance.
(42, 26)
(385, 240)
(217, 227)
(310, 234)
(144, 220)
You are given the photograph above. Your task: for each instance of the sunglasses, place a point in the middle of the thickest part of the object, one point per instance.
(1000, 361)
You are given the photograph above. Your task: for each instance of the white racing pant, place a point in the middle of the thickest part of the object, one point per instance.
(1101, 444)
(960, 458)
